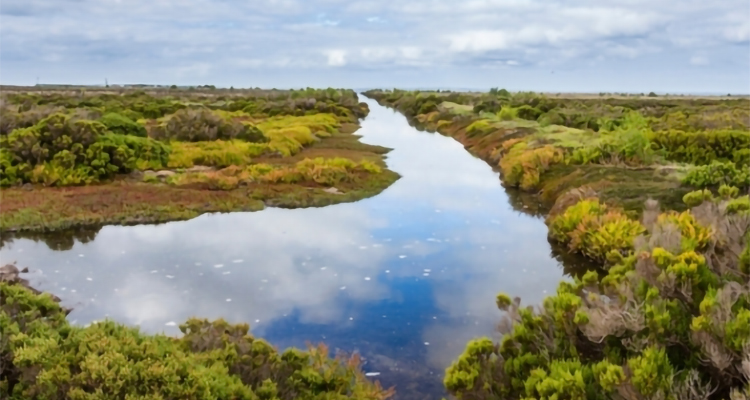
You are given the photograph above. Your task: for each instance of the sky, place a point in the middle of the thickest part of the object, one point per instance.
(675, 46)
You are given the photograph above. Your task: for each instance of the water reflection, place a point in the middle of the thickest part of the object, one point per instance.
(405, 278)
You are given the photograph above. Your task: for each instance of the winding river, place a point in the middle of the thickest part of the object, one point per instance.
(405, 278)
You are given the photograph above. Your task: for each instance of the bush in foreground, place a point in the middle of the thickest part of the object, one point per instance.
(44, 357)
(669, 320)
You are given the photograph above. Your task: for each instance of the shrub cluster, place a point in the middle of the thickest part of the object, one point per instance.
(122, 125)
(137, 104)
(718, 173)
(705, 147)
(202, 124)
(669, 320)
(522, 166)
(61, 150)
(42, 356)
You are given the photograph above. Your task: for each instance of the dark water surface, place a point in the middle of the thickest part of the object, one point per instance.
(405, 278)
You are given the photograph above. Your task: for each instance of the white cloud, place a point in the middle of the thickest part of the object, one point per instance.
(375, 20)
(738, 33)
(336, 58)
(73, 40)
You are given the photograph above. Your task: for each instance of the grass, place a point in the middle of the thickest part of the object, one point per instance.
(338, 159)
(126, 203)
(548, 160)
(319, 171)
(217, 153)
(303, 156)
(116, 203)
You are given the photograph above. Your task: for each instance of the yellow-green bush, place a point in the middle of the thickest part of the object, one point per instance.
(218, 153)
(718, 173)
(507, 113)
(322, 171)
(289, 140)
(288, 135)
(705, 147)
(590, 228)
(61, 151)
(670, 324)
(122, 125)
(522, 166)
(478, 127)
(44, 357)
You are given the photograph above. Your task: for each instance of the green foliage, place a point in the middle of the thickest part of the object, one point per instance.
(44, 357)
(479, 127)
(507, 114)
(643, 330)
(122, 125)
(704, 147)
(588, 227)
(744, 262)
(696, 198)
(61, 151)
(321, 171)
(427, 107)
(528, 112)
(217, 153)
(202, 124)
(523, 166)
(660, 324)
(718, 173)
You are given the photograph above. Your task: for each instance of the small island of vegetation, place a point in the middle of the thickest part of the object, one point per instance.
(74, 157)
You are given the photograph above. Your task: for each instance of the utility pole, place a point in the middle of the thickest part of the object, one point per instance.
(106, 83)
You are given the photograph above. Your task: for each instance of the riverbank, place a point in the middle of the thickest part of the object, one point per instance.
(666, 312)
(628, 150)
(74, 159)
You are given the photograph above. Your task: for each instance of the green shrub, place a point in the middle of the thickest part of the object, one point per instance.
(702, 148)
(44, 357)
(528, 112)
(666, 321)
(696, 198)
(507, 113)
(718, 173)
(202, 124)
(427, 107)
(122, 125)
(61, 151)
(551, 118)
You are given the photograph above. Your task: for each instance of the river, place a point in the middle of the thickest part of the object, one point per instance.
(405, 278)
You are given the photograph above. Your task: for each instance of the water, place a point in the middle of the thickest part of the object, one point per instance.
(405, 278)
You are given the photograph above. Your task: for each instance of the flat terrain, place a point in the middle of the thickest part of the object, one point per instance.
(78, 158)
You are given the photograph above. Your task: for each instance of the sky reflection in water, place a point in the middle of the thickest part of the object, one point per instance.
(406, 278)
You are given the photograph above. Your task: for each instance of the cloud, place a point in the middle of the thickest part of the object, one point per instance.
(432, 40)
(336, 58)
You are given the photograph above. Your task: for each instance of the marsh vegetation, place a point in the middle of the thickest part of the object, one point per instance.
(72, 158)
(650, 191)
(653, 191)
